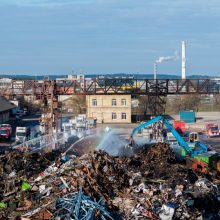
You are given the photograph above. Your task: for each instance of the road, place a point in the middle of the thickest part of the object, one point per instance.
(204, 118)
(213, 143)
(118, 134)
(30, 120)
(26, 121)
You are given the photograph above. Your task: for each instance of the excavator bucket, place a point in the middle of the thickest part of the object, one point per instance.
(130, 145)
(131, 142)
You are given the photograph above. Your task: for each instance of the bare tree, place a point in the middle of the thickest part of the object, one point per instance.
(217, 101)
(143, 105)
(77, 104)
(184, 102)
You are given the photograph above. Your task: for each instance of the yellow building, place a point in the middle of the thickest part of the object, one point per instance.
(109, 108)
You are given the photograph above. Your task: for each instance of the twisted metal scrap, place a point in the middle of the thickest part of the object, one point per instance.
(80, 207)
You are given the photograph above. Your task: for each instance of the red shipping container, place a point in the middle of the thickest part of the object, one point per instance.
(180, 126)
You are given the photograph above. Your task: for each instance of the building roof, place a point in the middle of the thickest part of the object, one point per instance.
(5, 105)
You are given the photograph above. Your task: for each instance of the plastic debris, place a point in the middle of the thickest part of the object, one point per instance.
(166, 213)
(12, 174)
(25, 186)
(3, 205)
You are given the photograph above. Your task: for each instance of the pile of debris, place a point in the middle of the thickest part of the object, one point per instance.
(149, 185)
(25, 163)
(16, 167)
(79, 206)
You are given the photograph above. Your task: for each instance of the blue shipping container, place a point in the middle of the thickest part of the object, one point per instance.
(188, 116)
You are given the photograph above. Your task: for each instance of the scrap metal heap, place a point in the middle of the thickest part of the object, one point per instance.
(151, 184)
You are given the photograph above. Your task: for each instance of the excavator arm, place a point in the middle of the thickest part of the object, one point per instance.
(180, 140)
(191, 152)
(141, 126)
(197, 149)
(145, 124)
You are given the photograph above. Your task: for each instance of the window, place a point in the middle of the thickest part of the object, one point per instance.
(3, 132)
(94, 102)
(114, 116)
(123, 102)
(114, 103)
(123, 116)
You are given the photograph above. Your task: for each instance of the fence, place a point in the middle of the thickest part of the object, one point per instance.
(51, 142)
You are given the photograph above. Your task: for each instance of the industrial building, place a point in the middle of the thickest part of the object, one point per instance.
(109, 108)
(5, 108)
(5, 83)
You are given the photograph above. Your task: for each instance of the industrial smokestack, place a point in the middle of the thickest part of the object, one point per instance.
(155, 70)
(183, 60)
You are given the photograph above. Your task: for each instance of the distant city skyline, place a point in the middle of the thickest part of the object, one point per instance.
(108, 36)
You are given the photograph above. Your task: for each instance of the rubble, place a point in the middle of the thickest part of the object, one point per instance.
(79, 206)
(149, 185)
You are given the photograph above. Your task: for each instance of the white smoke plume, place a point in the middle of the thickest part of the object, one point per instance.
(175, 57)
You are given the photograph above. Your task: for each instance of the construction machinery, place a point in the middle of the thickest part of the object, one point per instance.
(22, 134)
(193, 137)
(212, 130)
(197, 155)
(180, 126)
(5, 132)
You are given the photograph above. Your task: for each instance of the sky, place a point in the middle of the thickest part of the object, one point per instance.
(108, 36)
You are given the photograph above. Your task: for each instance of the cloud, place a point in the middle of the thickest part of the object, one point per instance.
(42, 3)
(110, 35)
